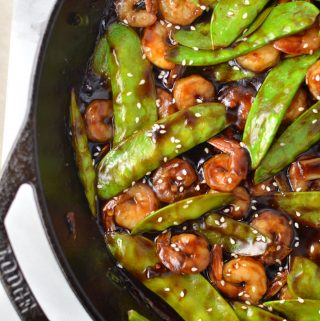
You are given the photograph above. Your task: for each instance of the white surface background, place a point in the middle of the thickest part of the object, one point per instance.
(23, 222)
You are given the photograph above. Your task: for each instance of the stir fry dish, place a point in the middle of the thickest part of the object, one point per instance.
(196, 134)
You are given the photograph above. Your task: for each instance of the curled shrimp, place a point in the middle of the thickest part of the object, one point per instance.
(276, 227)
(243, 278)
(180, 12)
(298, 106)
(98, 120)
(130, 207)
(183, 253)
(305, 42)
(173, 181)
(261, 59)
(241, 98)
(128, 12)
(165, 103)
(192, 90)
(240, 206)
(155, 45)
(224, 172)
(303, 172)
(313, 80)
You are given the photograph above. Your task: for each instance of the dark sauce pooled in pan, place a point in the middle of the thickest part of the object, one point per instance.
(94, 87)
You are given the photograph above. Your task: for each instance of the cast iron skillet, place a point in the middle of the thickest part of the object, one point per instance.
(43, 157)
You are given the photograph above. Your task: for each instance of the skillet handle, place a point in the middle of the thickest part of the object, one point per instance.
(19, 169)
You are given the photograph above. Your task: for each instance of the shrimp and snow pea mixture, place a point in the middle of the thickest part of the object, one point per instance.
(197, 138)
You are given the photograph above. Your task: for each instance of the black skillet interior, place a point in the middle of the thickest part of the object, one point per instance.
(68, 43)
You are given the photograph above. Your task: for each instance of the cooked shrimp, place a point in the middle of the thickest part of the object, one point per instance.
(276, 227)
(264, 188)
(192, 90)
(303, 172)
(165, 103)
(224, 172)
(278, 282)
(305, 42)
(173, 181)
(236, 96)
(313, 80)
(155, 44)
(130, 207)
(261, 59)
(240, 206)
(180, 12)
(183, 253)
(98, 120)
(243, 278)
(298, 106)
(127, 12)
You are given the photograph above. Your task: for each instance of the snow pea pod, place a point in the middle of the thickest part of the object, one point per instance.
(100, 57)
(230, 18)
(297, 310)
(133, 86)
(84, 163)
(252, 313)
(147, 149)
(303, 207)
(198, 38)
(304, 279)
(190, 295)
(272, 102)
(225, 73)
(179, 212)
(236, 237)
(135, 316)
(296, 139)
(284, 19)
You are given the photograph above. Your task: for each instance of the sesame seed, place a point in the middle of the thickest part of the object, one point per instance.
(184, 228)
(301, 108)
(165, 159)
(229, 180)
(197, 114)
(179, 178)
(179, 146)
(268, 189)
(167, 289)
(160, 219)
(227, 210)
(210, 309)
(232, 241)
(296, 244)
(162, 131)
(296, 224)
(137, 119)
(181, 188)
(315, 111)
(298, 213)
(191, 62)
(245, 15)
(197, 188)
(263, 187)
(177, 140)
(282, 144)
(185, 206)
(192, 28)
(298, 189)
(317, 77)
(195, 48)
(184, 172)
(237, 208)
(217, 222)
(182, 294)
(129, 93)
(125, 21)
(129, 74)
(242, 144)
(230, 13)
(177, 27)
(203, 7)
(305, 45)
(243, 307)
(194, 269)
(142, 82)
(300, 300)
(314, 121)
(199, 101)
(183, 62)
(253, 207)
(222, 219)
(246, 2)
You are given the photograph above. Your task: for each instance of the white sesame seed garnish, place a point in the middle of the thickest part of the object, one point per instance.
(229, 180)
(167, 289)
(197, 114)
(253, 207)
(232, 241)
(314, 121)
(317, 77)
(199, 101)
(217, 222)
(165, 159)
(209, 309)
(197, 188)
(246, 2)
(194, 269)
(203, 7)
(142, 82)
(298, 213)
(177, 27)
(129, 93)
(162, 131)
(137, 119)
(181, 188)
(195, 48)
(300, 300)
(301, 108)
(129, 74)
(268, 188)
(192, 28)
(315, 111)
(242, 144)
(243, 307)
(298, 189)
(296, 224)
(183, 62)
(282, 144)
(125, 21)
(226, 210)
(296, 244)
(160, 219)
(230, 13)
(245, 15)
(182, 294)
(305, 45)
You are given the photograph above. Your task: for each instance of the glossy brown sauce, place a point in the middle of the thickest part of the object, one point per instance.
(94, 87)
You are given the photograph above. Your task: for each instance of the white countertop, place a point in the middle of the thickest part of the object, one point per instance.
(23, 223)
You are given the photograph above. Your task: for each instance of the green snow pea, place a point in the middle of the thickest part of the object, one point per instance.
(135, 316)
(297, 310)
(296, 139)
(190, 295)
(100, 57)
(272, 102)
(253, 313)
(179, 212)
(236, 237)
(198, 38)
(86, 170)
(304, 279)
(284, 20)
(303, 207)
(133, 86)
(230, 18)
(147, 149)
(225, 73)
(257, 23)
